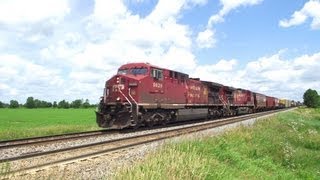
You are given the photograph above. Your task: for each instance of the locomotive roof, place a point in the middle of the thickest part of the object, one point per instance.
(132, 65)
(212, 83)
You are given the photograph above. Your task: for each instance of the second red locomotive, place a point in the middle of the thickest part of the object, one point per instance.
(143, 94)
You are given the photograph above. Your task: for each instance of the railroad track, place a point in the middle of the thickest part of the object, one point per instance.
(79, 135)
(37, 161)
(52, 139)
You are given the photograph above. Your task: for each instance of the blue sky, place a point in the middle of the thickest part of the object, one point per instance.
(66, 49)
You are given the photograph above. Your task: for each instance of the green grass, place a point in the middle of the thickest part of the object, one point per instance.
(22, 123)
(284, 147)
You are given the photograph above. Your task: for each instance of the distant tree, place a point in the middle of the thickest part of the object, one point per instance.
(311, 98)
(55, 105)
(86, 104)
(14, 104)
(93, 105)
(49, 104)
(63, 104)
(76, 103)
(43, 104)
(30, 103)
(2, 105)
(37, 103)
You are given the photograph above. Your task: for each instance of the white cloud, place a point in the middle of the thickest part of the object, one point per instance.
(167, 9)
(271, 75)
(228, 6)
(311, 9)
(20, 78)
(123, 37)
(116, 36)
(177, 58)
(224, 71)
(31, 11)
(206, 39)
(65, 48)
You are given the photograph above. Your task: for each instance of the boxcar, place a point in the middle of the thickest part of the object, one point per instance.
(270, 102)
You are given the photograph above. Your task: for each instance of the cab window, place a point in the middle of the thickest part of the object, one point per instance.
(134, 71)
(123, 71)
(157, 74)
(173, 74)
(139, 71)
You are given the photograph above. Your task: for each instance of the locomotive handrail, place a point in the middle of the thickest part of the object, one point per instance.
(126, 99)
(137, 107)
(132, 97)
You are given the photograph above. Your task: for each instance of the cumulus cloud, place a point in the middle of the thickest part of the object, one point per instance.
(272, 75)
(206, 38)
(54, 63)
(20, 77)
(125, 37)
(227, 7)
(311, 9)
(114, 36)
(31, 11)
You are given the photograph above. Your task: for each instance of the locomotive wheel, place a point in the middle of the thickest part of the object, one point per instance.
(164, 121)
(137, 125)
(150, 123)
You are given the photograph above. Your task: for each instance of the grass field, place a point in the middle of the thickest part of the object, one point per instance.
(22, 123)
(284, 147)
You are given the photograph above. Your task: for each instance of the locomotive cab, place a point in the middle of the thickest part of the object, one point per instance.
(118, 107)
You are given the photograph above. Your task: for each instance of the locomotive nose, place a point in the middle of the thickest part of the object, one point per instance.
(122, 89)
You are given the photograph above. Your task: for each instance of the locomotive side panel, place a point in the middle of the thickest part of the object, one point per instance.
(213, 92)
(226, 95)
(197, 92)
(243, 97)
(259, 101)
(175, 87)
(163, 88)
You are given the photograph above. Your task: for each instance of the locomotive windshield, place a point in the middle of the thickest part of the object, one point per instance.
(138, 71)
(134, 71)
(122, 71)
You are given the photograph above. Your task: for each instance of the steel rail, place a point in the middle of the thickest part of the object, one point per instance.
(54, 138)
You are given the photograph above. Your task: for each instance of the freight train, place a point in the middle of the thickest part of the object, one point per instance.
(141, 94)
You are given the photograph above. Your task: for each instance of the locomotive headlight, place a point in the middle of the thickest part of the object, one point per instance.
(118, 80)
(133, 84)
(118, 99)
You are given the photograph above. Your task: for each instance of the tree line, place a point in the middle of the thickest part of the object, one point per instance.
(311, 98)
(32, 103)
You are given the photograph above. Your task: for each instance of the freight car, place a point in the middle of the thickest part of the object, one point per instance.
(260, 101)
(141, 94)
(284, 103)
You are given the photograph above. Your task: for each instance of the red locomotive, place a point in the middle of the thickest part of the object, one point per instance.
(143, 94)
